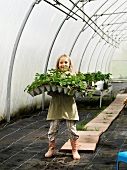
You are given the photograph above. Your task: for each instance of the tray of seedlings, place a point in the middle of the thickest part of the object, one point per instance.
(78, 85)
(57, 81)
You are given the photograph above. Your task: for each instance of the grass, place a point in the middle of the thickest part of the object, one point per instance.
(81, 126)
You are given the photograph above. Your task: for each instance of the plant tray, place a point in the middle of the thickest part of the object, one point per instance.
(59, 89)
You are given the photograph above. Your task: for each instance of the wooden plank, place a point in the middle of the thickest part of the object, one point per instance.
(107, 116)
(97, 128)
(88, 139)
(81, 146)
(89, 133)
(101, 120)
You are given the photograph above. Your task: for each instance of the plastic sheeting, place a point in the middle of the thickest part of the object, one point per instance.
(33, 34)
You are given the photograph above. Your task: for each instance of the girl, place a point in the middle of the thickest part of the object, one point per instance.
(61, 107)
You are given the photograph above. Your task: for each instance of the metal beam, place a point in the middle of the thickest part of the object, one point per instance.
(114, 23)
(93, 23)
(61, 9)
(110, 13)
(8, 95)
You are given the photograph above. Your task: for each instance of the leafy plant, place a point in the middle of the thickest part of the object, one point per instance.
(79, 82)
(58, 78)
(109, 113)
(97, 129)
(97, 76)
(81, 127)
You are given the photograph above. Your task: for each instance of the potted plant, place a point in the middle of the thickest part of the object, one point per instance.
(107, 80)
(56, 80)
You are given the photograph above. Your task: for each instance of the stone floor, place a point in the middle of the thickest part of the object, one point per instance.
(24, 142)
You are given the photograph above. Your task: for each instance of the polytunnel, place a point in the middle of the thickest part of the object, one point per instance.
(34, 33)
(91, 36)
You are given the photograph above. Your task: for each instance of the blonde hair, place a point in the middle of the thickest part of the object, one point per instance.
(70, 62)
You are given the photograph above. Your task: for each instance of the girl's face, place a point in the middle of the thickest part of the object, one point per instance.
(64, 63)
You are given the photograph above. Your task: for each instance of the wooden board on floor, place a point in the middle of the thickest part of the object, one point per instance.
(81, 146)
(90, 133)
(88, 139)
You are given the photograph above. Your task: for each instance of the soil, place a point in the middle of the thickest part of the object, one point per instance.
(23, 142)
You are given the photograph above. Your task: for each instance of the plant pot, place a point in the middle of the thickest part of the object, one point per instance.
(77, 94)
(99, 85)
(54, 88)
(71, 92)
(48, 87)
(37, 91)
(31, 93)
(42, 89)
(65, 90)
(60, 89)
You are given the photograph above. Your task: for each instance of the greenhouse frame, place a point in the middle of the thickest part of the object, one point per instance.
(35, 33)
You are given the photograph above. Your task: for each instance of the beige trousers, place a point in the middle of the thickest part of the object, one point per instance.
(71, 126)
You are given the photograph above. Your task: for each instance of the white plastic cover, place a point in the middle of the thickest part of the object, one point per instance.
(33, 34)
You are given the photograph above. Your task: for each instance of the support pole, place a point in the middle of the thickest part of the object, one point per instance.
(8, 96)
